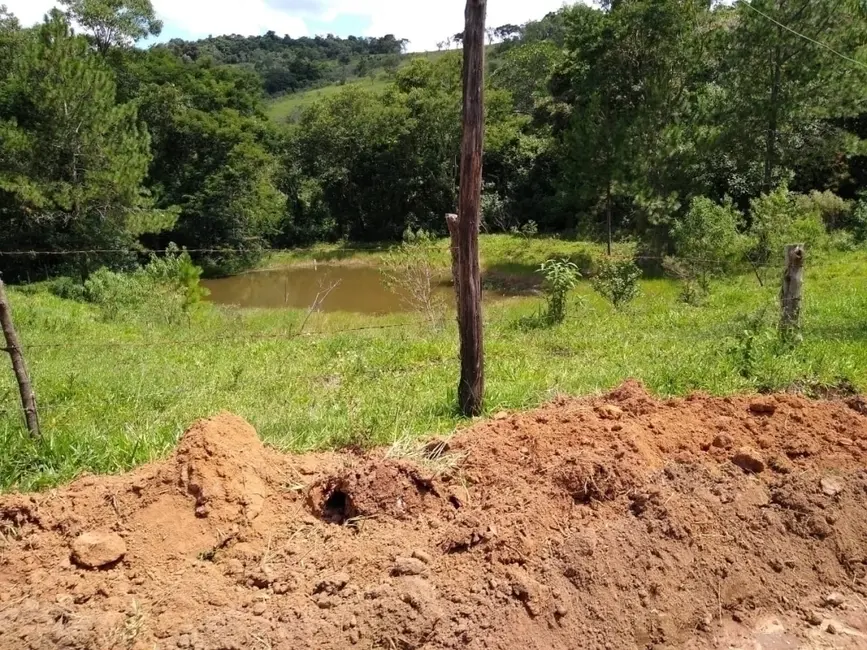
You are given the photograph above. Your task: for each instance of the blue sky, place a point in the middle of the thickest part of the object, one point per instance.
(423, 22)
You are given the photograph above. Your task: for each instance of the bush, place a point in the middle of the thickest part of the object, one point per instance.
(617, 280)
(779, 219)
(410, 272)
(163, 290)
(561, 276)
(859, 221)
(707, 243)
(834, 211)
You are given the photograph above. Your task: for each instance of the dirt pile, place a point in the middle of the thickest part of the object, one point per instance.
(612, 522)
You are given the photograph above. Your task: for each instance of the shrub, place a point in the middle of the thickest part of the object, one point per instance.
(617, 280)
(561, 276)
(707, 243)
(859, 220)
(778, 219)
(410, 272)
(834, 211)
(164, 290)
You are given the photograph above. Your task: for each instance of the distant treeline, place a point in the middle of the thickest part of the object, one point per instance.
(288, 64)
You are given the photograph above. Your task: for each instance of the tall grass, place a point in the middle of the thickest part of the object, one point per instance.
(117, 392)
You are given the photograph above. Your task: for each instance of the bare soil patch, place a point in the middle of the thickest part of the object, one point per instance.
(620, 521)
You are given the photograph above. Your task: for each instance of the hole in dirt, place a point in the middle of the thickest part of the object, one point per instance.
(338, 508)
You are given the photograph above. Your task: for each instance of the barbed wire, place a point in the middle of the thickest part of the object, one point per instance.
(443, 246)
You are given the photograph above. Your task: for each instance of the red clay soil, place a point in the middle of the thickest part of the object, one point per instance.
(613, 522)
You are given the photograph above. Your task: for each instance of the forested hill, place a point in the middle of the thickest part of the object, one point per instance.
(647, 120)
(288, 64)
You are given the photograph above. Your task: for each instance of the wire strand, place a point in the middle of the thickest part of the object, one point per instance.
(805, 37)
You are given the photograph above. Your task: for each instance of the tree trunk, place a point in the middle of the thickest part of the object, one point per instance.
(792, 290)
(13, 347)
(472, 383)
(771, 137)
(608, 213)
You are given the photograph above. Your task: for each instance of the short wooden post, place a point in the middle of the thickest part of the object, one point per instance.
(791, 292)
(471, 388)
(452, 223)
(19, 367)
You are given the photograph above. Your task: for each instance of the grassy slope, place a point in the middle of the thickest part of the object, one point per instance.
(289, 107)
(107, 408)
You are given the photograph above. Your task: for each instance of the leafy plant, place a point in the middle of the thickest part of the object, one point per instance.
(707, 243)
(561, 276)
(617, 281)
(163, 290)
(778, 219)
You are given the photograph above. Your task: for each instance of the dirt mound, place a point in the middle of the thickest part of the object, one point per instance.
(613, 522)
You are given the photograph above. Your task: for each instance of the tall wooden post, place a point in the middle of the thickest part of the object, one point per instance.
(452, 223)
(472, 385)
(13, 347)
(791, 292)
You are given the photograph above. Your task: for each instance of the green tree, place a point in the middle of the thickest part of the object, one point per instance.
(785, 69)
(73, 160)
(111, 23)
(625, 78)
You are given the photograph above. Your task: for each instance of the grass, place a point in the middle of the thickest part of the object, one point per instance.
(289, 107)
(117, 393)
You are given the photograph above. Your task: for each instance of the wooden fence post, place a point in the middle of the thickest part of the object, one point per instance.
(791, 292)
(452, 223)
(13, 347)
(471, 388)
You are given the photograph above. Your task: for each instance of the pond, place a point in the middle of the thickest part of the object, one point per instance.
(358, 289)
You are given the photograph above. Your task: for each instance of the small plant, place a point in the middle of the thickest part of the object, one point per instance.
(753, 337)
(528, 230)
(561, 276)
(617, 280)
(707, 244)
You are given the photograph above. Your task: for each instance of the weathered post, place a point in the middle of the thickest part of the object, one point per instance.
(791, 292)
(472, 384)
(13, 347)
(452, 223)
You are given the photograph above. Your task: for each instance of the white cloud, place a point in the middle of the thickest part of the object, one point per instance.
(423, 22)
(216, 17)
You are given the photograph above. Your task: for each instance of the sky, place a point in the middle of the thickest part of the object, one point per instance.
(423, 22)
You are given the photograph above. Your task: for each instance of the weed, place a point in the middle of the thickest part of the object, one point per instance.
(561, 276)
(617, 280)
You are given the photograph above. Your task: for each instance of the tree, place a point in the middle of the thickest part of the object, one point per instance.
(73, 160)
(114, 22)
(782, 72)
(625, 75)
(507, 32)
(525, 71)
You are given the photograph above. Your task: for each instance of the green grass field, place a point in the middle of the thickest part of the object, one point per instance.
(117, 393)
(289, 107)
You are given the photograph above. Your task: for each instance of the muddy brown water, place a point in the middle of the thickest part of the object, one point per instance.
(359, 289)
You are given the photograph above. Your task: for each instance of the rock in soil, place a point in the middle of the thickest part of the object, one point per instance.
(832, 485)
(749, 460)
(408, 566)
(94, 550)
